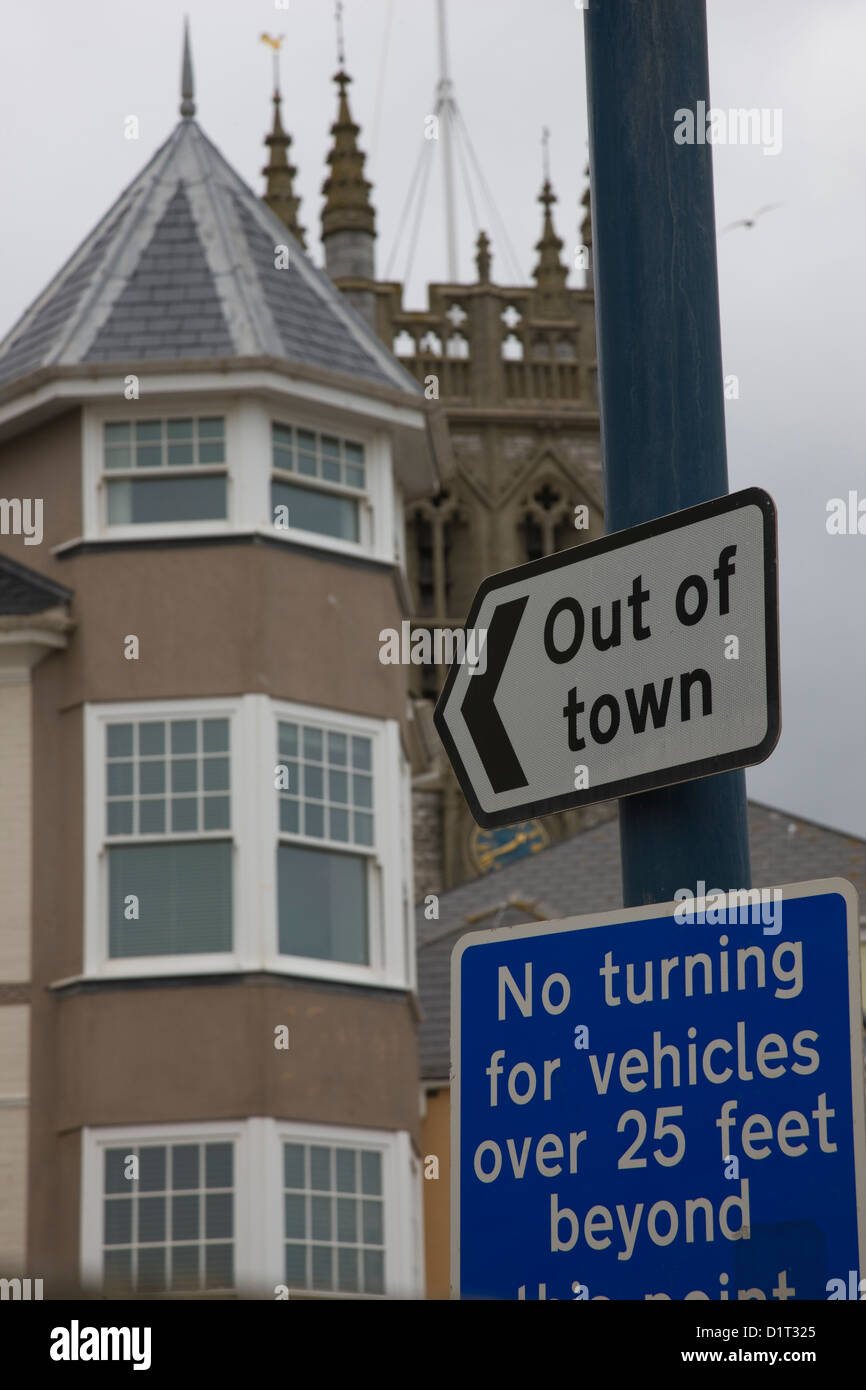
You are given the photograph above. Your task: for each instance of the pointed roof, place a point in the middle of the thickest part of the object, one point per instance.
(24, 591)
(347, 192)
(183, 267)
(550, 274)
(279, 173)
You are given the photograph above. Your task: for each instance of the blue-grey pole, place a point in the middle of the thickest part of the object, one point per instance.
(661, 390)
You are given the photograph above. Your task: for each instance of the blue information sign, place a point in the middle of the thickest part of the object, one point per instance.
(662, 1102)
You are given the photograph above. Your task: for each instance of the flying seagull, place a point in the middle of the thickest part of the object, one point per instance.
(750, 221)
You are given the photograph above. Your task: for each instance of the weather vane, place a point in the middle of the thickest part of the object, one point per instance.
(275, 44)
(341, 51)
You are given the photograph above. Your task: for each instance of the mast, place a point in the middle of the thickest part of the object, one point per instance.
(445, 103)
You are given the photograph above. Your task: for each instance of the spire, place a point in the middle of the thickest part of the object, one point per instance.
(482, 258)
(347, 192)
(550, 274)
(187, 92)
(279, 173)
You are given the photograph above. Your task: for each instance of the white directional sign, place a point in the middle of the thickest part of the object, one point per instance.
(646, 658)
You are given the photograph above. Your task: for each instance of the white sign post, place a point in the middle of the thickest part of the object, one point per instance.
(643, 659)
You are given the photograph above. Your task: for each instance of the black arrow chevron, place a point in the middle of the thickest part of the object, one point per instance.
(480, 713)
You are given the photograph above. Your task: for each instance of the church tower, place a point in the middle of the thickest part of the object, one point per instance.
(514, 368)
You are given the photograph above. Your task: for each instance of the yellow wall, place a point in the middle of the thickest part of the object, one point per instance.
(436, 1140)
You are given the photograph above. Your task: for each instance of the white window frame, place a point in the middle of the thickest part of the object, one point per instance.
(258, 1205)
(388, 963)
(97, 961)
(248, 1242)
(255, 835)
(375, 504)
(95, 492)
(249, 471)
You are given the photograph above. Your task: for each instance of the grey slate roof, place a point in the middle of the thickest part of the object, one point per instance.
(23, 591)
(182, 266)
(581, 875)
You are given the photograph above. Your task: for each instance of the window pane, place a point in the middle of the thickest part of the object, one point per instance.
(148, 456)
(313, 745)
(118, 434)
(185, 896)
(354, 476)
(371, 1223)
(215, 735)
(295, 1216)
(151, 777)
(119, 779)
(184, 775)
(184, 735)
(314, 782)
(211, 453)
(320, 1169)
(219, 1267)
(322, 901)
(151, 739)
(338, 787)
(151, 1269)
(289, 817)
(325, 513)
(211, 427)
(185, 1267)
(314, 820)
(322, 1267)
(347, 1269)
(347, 1219)
(115, 1162)
(151, 1219)
(346, 1170)
(288, 735)
(296, 1266)
(362, 790)
(337, 749)
(180, 456)
(363, 828)
(184, 814)
(148, 430)
(216, 812)
(374, 1271)
(320, 1213)
(151, 1168)
(151, 817)
(219, 1165)
(119, 818)
(141, 501)
(117, 1271)
(118, 457)
(119, 740)
(371, 1172)
(218, 1214)
(185, 1218)
(179, 429)
(293, 1165)
(184, 1165)
(118, 1221)
(362, 754)
(338, 825)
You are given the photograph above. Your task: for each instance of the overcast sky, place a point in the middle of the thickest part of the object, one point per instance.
(792, 288)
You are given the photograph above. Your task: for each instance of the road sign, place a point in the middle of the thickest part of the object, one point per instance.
(650, 1107)
(646, 658)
